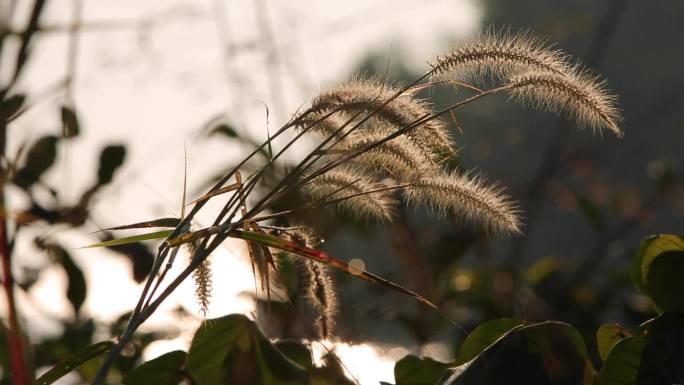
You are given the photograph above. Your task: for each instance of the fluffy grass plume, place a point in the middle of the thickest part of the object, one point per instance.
(367, 96)
(354, 183)
(399, 157)
(581, 97)
(467, 198)
(498, 55)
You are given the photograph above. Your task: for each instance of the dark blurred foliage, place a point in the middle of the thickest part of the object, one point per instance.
(587, 200)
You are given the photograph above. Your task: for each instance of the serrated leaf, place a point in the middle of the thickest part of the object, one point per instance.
(73, 361)
(412, 370)
(132, 239)
(483, 336)
(163, 370)
(607, 336)
(70, 125)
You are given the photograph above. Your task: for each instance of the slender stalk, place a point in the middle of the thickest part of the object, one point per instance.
(15, 344)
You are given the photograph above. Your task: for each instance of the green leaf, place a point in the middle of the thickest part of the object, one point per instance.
(623, 362)
(166, 369)
(656, 356)
(73, 361)
(70, 125)
(657, 269)
(39, 159)
(132, 239)
(297, 352)
(607, 336)
(231, 349)
(10, 107)
(548, 353)
(161, 222)
(412, 370)
(483, 336)
(111, 158)
(224, 129)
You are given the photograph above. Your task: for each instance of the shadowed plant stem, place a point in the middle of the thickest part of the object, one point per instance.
(15, 344)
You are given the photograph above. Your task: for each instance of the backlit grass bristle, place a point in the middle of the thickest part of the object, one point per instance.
(203, 285)
(319, 290)
(581, 97)
(354, 183)
(399, 157)
(364, 97)
(498, 55)
(467, 198)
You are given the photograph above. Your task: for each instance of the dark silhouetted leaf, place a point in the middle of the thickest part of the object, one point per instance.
(622, 364)
(657, 269)
(548, 353)
(412, 370)
(76, 283)
(39, 159)
(224, 129)
(231, 349)
(70, 125)
(483, 336)
(111, 158)
(162, 222)
(10, 106)
(140, 256)
(297, 352)
(73, 361)
(166, 369)
(131, 239)
(607, 336)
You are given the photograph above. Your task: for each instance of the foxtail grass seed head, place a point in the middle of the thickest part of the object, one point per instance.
(354, 183)
(468, 198)
(319, 290)
(400, 158)
(498, 55)
(365, 97)
(203, 285)
(581, 97)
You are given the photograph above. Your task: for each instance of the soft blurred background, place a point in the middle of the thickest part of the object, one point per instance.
(114, 94)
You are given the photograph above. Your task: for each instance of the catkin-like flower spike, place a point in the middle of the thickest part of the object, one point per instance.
(581, 97)
(368, 96)
(399, 157)
(354, 183)
(468, 198)
(497, 56)
(203, 286)
(324, 125)
(202, 278)
(319, 290)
